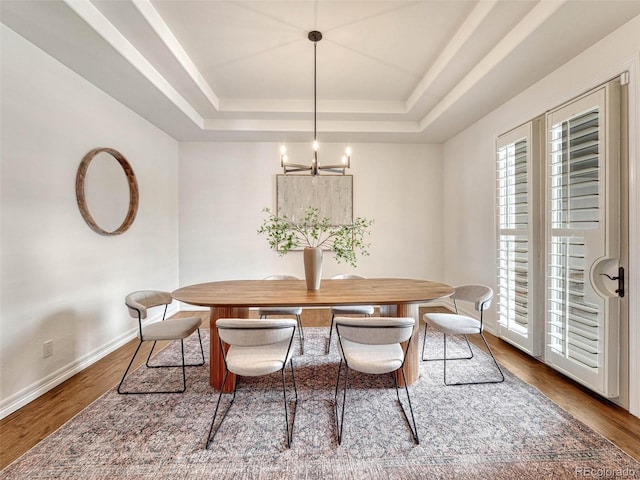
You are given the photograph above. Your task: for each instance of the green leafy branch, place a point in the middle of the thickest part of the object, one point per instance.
(314, 231)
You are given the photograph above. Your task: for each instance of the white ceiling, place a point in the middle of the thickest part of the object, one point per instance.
(410, 71)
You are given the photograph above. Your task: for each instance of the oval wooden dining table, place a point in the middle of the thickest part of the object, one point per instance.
(398, 297)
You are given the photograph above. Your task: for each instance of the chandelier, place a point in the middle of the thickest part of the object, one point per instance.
(314, 168)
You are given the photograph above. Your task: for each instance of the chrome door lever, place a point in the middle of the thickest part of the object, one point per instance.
(620, 279)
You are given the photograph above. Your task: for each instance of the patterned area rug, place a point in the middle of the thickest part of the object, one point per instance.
(507, 431)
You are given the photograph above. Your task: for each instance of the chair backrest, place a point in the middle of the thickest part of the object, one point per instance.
(346, 276)
(479, 295)
(248, 332)
(375, 330)
(281, 277)
(138, 302)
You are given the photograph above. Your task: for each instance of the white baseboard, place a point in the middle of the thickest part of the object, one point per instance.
(444, 303)
(42, 386)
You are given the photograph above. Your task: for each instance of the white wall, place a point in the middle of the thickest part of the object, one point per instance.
(469, 172)
(60, 280)
(225, 186)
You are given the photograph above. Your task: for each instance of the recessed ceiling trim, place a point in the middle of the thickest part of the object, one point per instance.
(273, 125)
(526, 27)
(306, 106)
(369, 127)
(155, 21)
(103, 27)
(462, 35)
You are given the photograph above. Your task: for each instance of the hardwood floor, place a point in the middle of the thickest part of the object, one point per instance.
(26, 427)
(603, 416)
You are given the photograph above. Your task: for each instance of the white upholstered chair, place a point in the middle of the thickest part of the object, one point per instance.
(138, 304)
(264, 312)
(456, 324)
(256, 348)
(374, 346)
(343, 310)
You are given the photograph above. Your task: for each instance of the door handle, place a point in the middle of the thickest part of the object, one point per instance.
(620, 279)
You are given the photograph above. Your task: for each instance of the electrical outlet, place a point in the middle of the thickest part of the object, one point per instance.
(47, 349)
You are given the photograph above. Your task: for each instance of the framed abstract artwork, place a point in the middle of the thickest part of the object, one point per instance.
(332, 195)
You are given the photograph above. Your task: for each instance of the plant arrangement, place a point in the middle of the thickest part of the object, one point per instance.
(315, 231)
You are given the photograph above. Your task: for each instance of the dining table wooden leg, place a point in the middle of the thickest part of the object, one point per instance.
(216, 362)
(412, 361)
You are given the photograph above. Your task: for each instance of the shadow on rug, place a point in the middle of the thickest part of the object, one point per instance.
(508, 430)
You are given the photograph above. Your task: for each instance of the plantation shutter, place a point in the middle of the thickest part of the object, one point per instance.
(515, 206)
(582, 243)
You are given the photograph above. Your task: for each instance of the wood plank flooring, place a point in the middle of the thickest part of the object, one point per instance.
(26, 427)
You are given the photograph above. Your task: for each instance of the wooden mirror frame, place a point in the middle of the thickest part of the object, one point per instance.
(133, 191)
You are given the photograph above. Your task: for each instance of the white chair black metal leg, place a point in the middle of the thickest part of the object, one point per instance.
(499, 380)
(199, 364)
(211, 436)
(339, 412)
(340, 415)
(438, 359)
(289, 428)
(414, 428)
(183, 366)
(286, 404)
(328, 349)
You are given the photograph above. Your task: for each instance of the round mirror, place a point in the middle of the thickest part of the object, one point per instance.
(105, 196)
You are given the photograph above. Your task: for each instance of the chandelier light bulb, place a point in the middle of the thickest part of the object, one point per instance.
(283, 149)
(347, 151)
(315, 145)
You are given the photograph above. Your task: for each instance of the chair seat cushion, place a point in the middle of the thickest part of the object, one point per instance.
(257, 361)
(352, 310)
(280, 311)
(452, 324)
(375, 359)
(171, 329)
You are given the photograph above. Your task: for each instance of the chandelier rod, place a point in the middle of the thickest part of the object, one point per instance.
(315, 88)
(315, 36)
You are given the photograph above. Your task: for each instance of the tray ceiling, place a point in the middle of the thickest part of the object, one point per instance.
(409, 71)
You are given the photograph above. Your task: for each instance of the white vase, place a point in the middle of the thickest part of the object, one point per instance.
(313, 267)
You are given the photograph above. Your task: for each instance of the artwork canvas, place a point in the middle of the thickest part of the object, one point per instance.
(332, 195)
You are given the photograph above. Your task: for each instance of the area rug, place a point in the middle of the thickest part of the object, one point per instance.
(498, 431)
